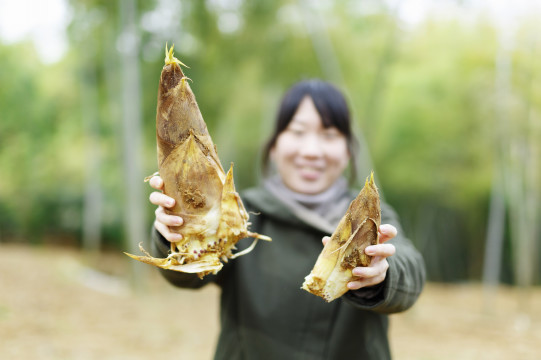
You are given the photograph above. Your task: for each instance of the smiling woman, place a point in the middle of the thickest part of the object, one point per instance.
(265, 313)
(312, 143)
(308, 156)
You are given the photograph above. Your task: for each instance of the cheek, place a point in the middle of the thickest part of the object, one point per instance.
(283, 148)
(341, 164)
(339, 155)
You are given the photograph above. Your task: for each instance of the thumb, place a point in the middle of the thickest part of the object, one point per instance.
(325, 240)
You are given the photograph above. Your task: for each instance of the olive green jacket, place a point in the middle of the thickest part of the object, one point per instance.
(266, 315)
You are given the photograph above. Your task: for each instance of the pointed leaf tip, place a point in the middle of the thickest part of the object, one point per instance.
(369, 179)
(170, 59)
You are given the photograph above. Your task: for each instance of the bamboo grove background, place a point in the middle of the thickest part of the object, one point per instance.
(447, 106)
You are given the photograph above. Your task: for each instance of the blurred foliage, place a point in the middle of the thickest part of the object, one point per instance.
(422, 95)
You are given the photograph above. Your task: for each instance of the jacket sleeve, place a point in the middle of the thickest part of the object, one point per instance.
(160, 248)
(405, 277)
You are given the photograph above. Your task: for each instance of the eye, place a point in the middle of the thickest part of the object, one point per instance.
(331, 134)
(296, 130)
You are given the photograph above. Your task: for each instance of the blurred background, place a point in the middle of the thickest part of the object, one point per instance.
(446, 97)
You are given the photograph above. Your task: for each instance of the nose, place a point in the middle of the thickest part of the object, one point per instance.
(311, 146)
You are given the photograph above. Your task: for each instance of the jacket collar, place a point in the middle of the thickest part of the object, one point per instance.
(274, 202)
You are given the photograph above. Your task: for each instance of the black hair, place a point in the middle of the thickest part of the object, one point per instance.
(331, 106)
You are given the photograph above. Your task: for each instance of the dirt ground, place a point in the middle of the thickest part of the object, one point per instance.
(54, 305)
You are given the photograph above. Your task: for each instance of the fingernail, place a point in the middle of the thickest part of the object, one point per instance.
(179, 221)
(356, 272)
(369, 251)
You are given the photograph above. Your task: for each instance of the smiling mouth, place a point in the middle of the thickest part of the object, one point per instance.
(310, 173)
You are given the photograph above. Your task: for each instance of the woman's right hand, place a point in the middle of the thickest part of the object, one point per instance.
(163, 220)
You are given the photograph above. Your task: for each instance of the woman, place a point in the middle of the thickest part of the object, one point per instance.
(264, 313)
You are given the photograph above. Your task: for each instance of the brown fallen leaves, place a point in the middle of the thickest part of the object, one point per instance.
(214, 216)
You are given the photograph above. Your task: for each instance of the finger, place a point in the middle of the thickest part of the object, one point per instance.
(167, 234)
(387, 232)
(361, 283)
(377, 267)
(156, 182)
(169, 220)
(325, 240)
(355, 285)
(382, 250)
(160, 199)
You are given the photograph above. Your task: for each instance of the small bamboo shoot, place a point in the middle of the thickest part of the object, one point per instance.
(357, 229)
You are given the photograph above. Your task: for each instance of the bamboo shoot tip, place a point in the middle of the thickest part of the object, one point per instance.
(170, 59)
(370, 179)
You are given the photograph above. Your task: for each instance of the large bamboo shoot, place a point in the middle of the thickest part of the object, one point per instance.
(214, 216)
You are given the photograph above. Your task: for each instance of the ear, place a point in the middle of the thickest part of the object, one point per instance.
(272, 152)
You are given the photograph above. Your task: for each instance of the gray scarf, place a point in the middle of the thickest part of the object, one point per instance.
(323, 210)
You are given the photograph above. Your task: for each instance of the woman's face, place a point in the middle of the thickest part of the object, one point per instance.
(309, 157)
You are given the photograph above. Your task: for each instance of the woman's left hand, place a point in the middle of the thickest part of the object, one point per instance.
(376, 272)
